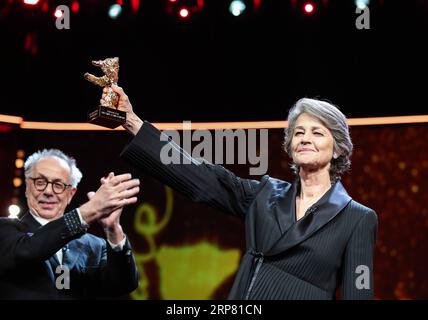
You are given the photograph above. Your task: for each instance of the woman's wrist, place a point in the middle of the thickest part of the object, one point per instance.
(133, 123)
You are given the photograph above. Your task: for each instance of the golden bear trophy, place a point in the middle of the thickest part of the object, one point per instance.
(107, 113)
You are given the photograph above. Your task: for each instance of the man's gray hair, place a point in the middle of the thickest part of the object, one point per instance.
(335, 121)
(75, 173)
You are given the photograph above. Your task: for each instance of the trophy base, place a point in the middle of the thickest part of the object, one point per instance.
(107, 117)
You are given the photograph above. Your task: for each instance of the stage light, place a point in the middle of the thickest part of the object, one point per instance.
(17, 182)
(45, 7)
(184, 13)
(20, 154)
(19, 163)
(135, 5)
(58, 13)
(309, 7)
(75, 7)
(237, 7)
(362, 4)
(14, 210)
(256, 5)
(184, 9)
(31, 2)
(115, 11)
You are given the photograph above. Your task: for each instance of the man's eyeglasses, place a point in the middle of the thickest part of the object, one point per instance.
(41, 183)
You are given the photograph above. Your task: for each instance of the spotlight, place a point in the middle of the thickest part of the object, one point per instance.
(58, 13)
(14, 210)
(45, 7)
(19, 163)
(309, 7)
(17, 182)
(31, 2)
(115, 11)
(135, 5)
(362, 4)
(184, 9)
(75, 6)
(184, 13)
(237, 7)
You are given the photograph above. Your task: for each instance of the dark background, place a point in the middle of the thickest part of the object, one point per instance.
(213, 66)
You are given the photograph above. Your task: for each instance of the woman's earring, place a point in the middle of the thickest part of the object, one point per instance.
(335, 156)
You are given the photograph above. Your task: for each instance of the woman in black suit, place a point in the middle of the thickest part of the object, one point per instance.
(305, 239)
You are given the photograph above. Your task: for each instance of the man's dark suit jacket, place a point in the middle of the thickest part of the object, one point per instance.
(331, 247)
(28, 261)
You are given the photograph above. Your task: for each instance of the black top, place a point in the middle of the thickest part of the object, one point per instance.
(331, 247)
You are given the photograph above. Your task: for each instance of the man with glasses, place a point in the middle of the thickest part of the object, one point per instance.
(48, 254)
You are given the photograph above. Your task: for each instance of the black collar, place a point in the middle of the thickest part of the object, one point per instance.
(323, 211)
(29, 222)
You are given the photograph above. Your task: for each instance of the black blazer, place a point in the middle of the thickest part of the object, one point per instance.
(28, 262)
(285, 259)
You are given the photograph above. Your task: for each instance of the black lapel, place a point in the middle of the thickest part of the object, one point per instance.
(285, 210)
(30, 223)
(325, 209)
(31, 226)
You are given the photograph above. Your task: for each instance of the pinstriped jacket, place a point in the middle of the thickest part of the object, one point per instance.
(330, 248)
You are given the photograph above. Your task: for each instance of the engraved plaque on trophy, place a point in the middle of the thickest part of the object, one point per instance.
(107, 113)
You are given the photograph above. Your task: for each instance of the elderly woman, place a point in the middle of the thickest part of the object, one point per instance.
(304, 239)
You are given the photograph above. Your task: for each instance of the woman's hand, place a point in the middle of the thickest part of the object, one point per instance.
(133, 122)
